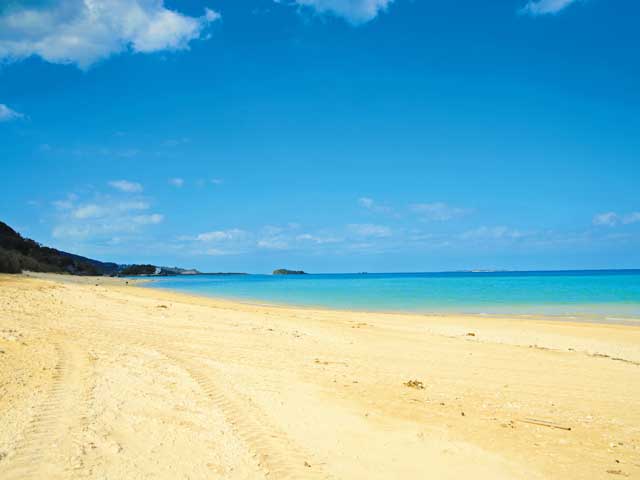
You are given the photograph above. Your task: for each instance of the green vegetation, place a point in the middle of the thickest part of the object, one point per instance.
(18, 253)
(284, 271)
(9, 261)
(132, 270)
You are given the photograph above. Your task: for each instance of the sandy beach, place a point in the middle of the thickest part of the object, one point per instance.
(104, 380)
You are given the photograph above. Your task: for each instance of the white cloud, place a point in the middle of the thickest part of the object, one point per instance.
(366, 202)
(152, 219)
(608, 219)
(90, 211)
(232, 241)
(611, 219)
(131, 205)
(126, 186)
(438, 211)
(354, 11)
(275, 243)
(211, 15)
(545, 7)
(492, 233)
(83, 32)
(93, 210)
(176, 182)
(102, 217)
(273, 237)
(7, 114)
(372, 205)
(67, 203)
(632, 217)
(221, 235)
(219, 252)
(174, 142)
(269, 237)
(217, 181)
(369, 230)
(318, 239)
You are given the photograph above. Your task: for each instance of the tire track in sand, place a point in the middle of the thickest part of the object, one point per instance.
(46, 449)
(276, 454)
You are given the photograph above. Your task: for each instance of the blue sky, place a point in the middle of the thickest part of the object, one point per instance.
(328, 135)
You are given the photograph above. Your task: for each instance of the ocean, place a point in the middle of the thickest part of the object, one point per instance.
(594, 295)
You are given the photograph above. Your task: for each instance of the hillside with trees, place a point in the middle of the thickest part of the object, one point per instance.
(18, 254)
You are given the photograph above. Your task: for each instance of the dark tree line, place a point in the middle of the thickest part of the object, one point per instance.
(18, 253)
(138, 270)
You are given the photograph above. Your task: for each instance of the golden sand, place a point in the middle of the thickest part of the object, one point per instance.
(104, 380)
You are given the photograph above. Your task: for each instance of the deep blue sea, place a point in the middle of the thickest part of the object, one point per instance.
(602, 295)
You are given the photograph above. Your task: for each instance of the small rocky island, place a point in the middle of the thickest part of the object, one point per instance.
(284, 271)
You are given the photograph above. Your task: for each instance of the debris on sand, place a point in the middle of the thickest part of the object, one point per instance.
(324, 362)
(417, 384)
(617, 472)
(544, 423)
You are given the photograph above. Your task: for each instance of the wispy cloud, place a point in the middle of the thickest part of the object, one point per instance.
(82, 32)
(633, 217)
(376, 239)
(438, 211)
(274, 243)
(66, 203)
(90, 211)
(318, 239)
(174, 142)
(272, 237)
(176, 182)
(545, 7)
(7, 114)
(126, 186)
(491, 233)
(605, 219)
(355, 12)
(222, 235)
(611, 219)
(151, 219)
(101, 218)
(373, 206)
(233, 241)
(369, 230)
(93, 210)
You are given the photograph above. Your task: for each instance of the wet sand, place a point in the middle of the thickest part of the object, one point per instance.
(100, 379)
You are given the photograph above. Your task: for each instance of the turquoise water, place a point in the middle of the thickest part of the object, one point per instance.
(612, 295)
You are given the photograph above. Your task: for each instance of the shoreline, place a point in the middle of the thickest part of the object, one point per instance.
(448, 324)
(148, 382)
(613, 318)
